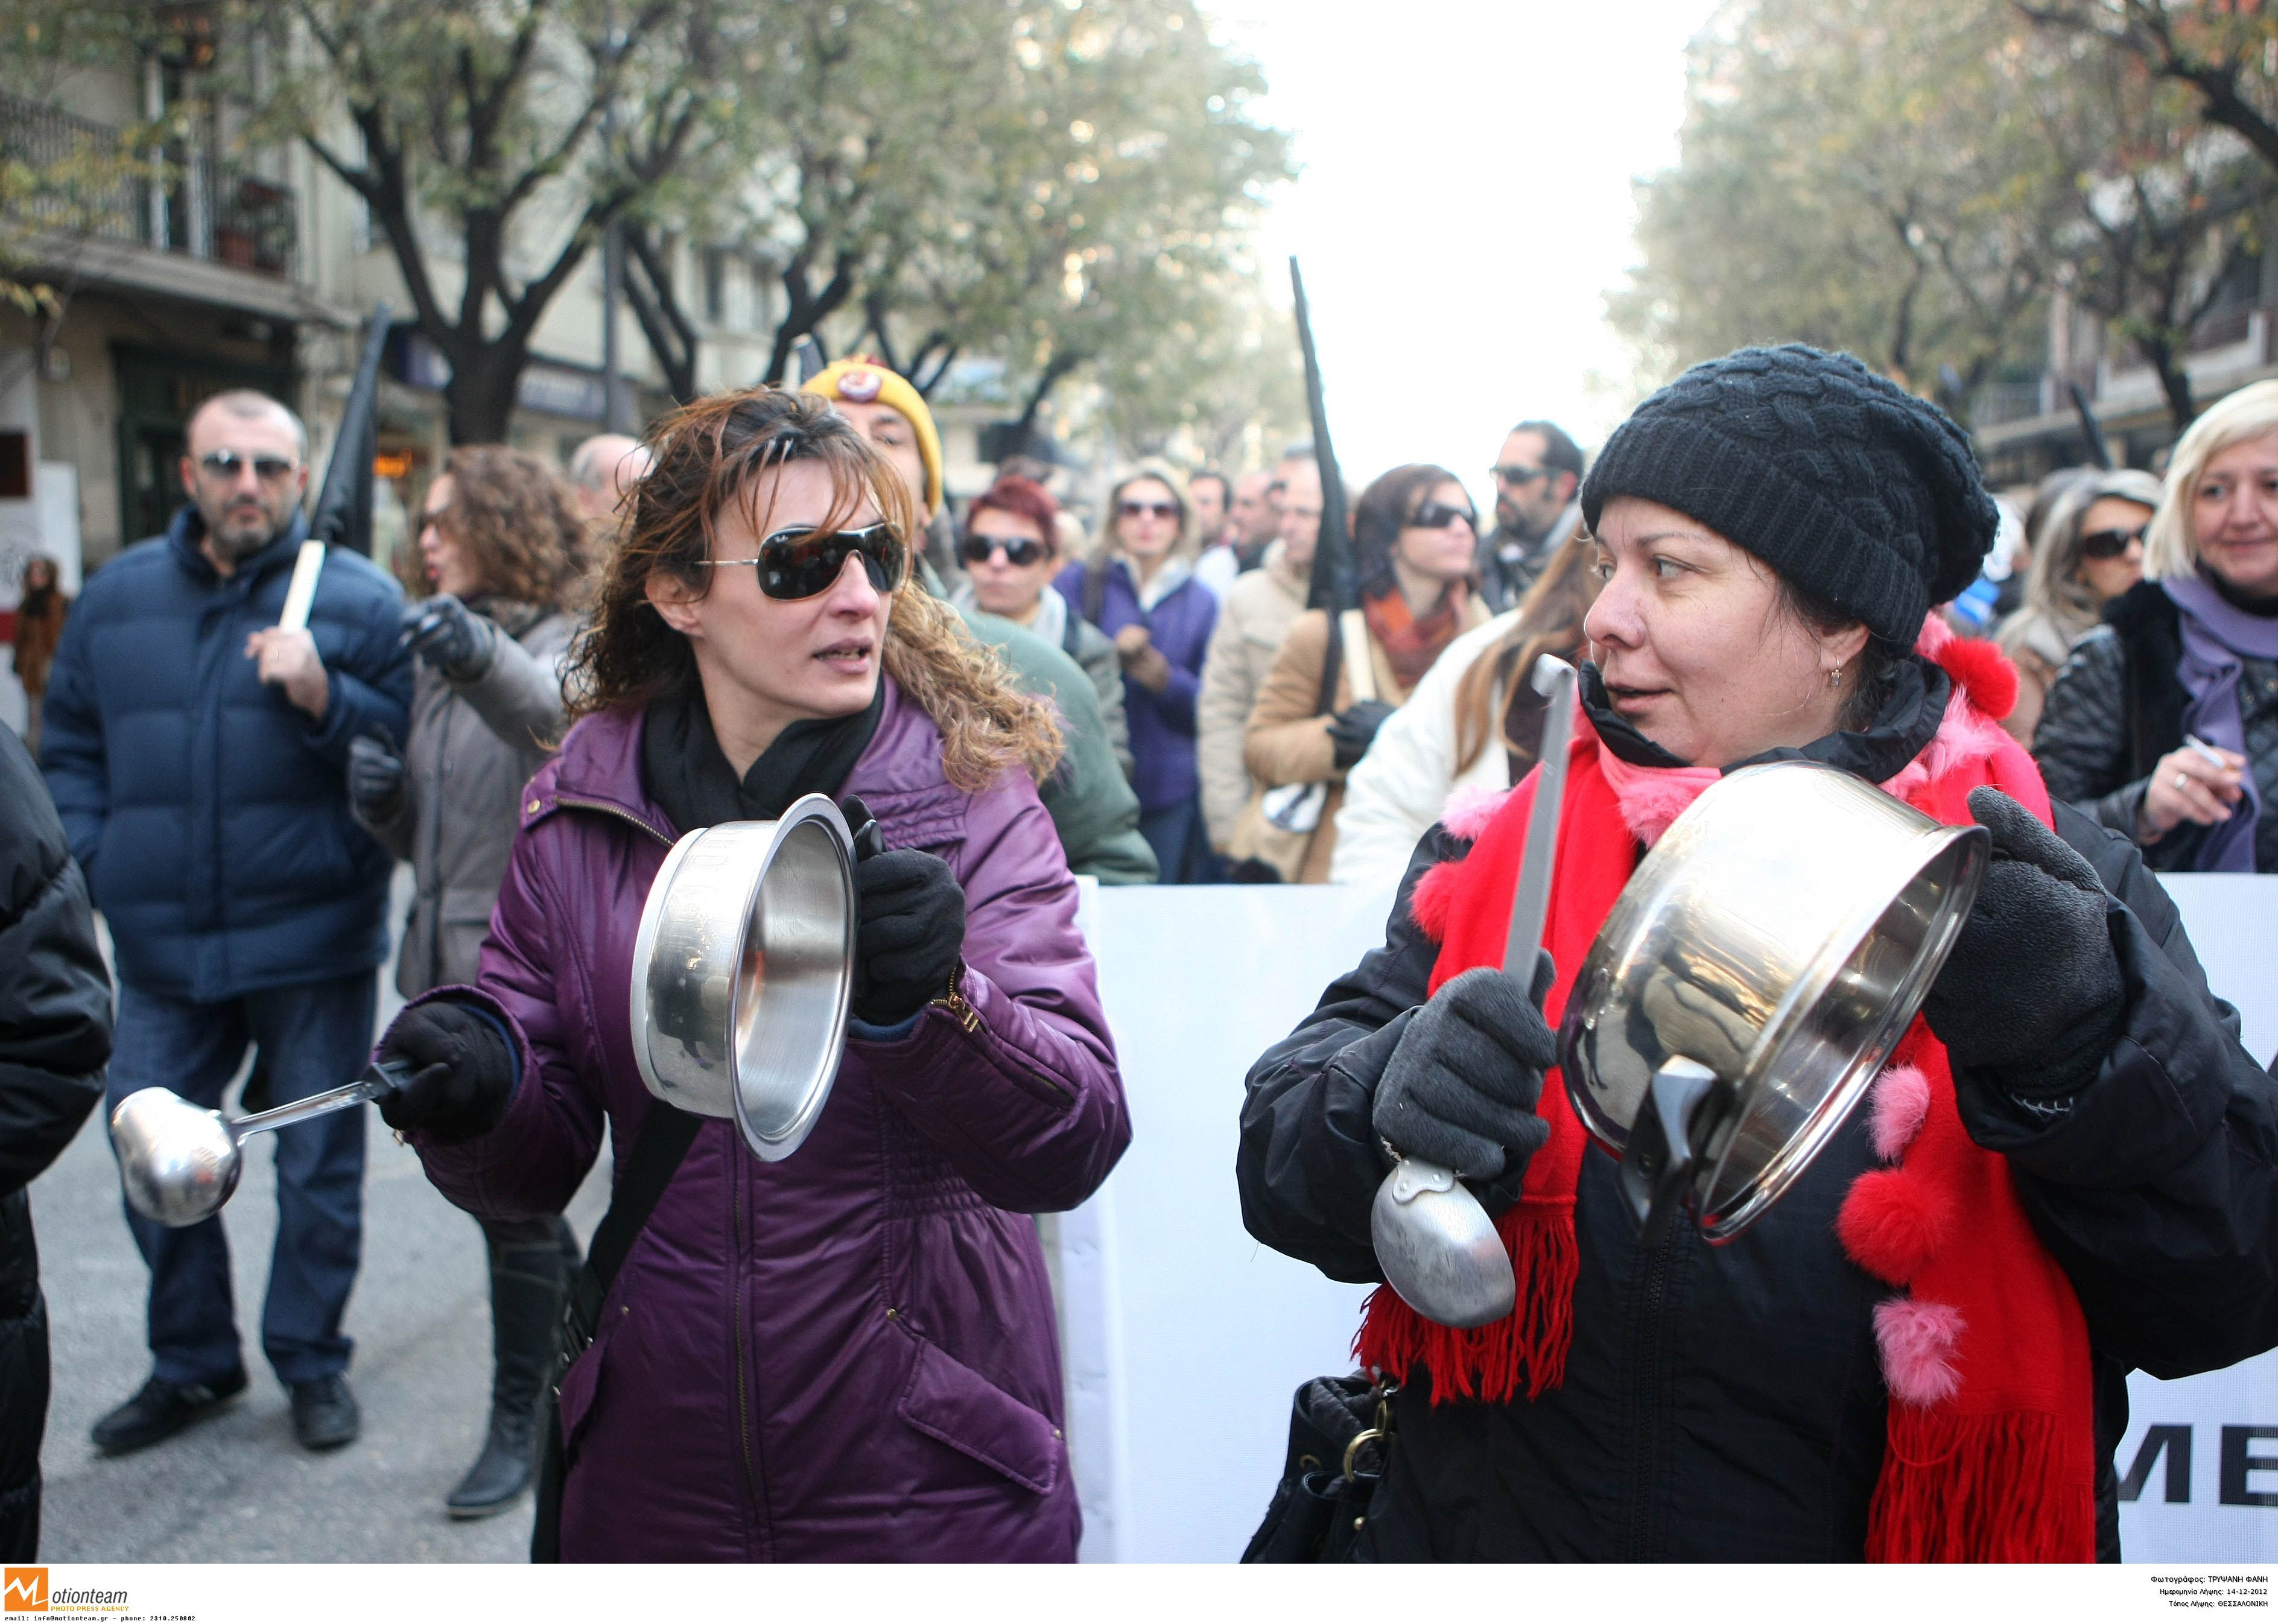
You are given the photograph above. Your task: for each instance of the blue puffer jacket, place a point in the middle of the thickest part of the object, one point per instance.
(211, 816)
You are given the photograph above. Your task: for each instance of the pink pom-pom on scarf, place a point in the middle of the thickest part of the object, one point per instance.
(1470, 809)
(1901, 1105)
(1917, 1340)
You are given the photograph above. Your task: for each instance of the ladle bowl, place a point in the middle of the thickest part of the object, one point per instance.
(179, 1163)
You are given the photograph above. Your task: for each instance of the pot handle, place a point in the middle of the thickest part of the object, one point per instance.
(1664, 1151)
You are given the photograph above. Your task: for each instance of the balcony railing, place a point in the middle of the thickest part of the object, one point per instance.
(90, 183)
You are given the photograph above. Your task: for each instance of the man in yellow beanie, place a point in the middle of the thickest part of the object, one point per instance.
(1091, 805)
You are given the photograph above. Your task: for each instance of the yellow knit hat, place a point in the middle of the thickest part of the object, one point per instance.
(865, 380)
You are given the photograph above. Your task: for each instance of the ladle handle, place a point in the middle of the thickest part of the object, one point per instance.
(380, 1077)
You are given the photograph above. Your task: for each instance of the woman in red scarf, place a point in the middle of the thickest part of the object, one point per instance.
(1920, 1353)
(1415, 535)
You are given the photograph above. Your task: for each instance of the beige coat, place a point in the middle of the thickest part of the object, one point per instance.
(1288, 743)
(1251, 623)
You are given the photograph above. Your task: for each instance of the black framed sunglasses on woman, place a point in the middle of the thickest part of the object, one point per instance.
(1439, 515)
(802, 561)
(1019, 551)
(2110, 543)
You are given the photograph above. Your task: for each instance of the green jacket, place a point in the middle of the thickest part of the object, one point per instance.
(1091, 803)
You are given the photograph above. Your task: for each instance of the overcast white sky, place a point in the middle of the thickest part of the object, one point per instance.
(1464, 205)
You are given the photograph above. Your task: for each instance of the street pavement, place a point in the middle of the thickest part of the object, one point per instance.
(236, 1488)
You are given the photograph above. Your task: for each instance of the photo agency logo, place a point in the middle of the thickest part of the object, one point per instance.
(25, 1591)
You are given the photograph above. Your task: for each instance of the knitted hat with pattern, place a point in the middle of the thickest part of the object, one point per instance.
(1840, 480)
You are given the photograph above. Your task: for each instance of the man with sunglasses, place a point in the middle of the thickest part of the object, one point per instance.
(197, 751)
(1535, 478)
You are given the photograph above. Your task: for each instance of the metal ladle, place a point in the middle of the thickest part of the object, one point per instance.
(1437, 1246)
(181, 1163)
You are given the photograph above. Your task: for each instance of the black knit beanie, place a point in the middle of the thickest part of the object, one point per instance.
(1841, 480)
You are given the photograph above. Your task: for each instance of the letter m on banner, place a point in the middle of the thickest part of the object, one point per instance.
(24, 1589)
(2176, 1441)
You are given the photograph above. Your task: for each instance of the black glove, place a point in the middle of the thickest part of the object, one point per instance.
(375, 780)
(2033, 992)
(449, 636)
(1461, 1087)
(1355, 729)
(911, 933)
(464, 1072)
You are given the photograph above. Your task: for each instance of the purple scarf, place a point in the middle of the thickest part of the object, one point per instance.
(2216, 634)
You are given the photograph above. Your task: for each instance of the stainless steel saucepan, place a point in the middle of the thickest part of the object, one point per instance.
(744, 970)
(1752, 978)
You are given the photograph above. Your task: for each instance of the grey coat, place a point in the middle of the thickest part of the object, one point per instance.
(473, 747)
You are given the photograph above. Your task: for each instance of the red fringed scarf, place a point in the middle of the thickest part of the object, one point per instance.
(1990, 1452)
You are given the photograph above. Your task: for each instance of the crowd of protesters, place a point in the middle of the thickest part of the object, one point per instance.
(774, 593)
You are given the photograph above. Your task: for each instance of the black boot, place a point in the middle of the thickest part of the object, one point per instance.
(527, 1284)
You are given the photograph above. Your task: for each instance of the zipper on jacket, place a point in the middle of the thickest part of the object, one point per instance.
(743, 1383)
(619, 812)
(1651, 1341)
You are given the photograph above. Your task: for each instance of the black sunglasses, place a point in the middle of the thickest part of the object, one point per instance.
(2110, 543)
(1160, 509)
(229, 465)
(1439, 515)
(804, 561)
(1019, 551)
(1516, 473)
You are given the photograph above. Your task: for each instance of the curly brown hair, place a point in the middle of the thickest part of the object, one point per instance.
(712, 452)
(518, 523)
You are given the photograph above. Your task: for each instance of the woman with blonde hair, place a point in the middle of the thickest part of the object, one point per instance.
(502, 552)
(2088, 551)
(2164, 723)
(1471, 727)
(848, 1354)
(1139, 587)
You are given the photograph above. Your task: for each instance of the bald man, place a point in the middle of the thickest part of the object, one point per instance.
(603, 469)
(198, 752)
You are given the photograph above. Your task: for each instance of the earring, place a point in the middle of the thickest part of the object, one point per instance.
(1835, 678)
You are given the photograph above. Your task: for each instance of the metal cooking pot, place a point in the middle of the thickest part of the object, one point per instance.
(743, 969)
(1752, 978)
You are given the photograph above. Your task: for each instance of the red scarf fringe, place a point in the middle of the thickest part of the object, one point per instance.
(1526, 1348)
(2003, 1487)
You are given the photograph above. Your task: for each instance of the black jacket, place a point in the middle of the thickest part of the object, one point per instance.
(2115, 710)
(1728, 1403)
(55, 1040)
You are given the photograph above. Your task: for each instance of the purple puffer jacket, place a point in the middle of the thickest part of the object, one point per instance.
(849, 1355)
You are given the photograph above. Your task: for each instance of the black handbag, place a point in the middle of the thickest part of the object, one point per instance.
(666, 1135)
(1340, 1443)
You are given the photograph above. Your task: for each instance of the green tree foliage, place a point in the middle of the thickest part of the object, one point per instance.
(1858, 176)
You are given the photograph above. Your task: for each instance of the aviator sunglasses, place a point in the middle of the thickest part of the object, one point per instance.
(803, 562)
(229, 465)
(1135, 509)
(1019, 551)
(2110, 543)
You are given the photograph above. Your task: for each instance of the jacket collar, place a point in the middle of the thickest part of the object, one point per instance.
(599, 766)
(187, 530)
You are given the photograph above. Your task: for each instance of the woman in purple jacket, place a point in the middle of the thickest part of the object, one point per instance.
(848, 1355)
(1139, 587)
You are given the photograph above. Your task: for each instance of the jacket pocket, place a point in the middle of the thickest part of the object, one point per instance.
(954, 1404)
